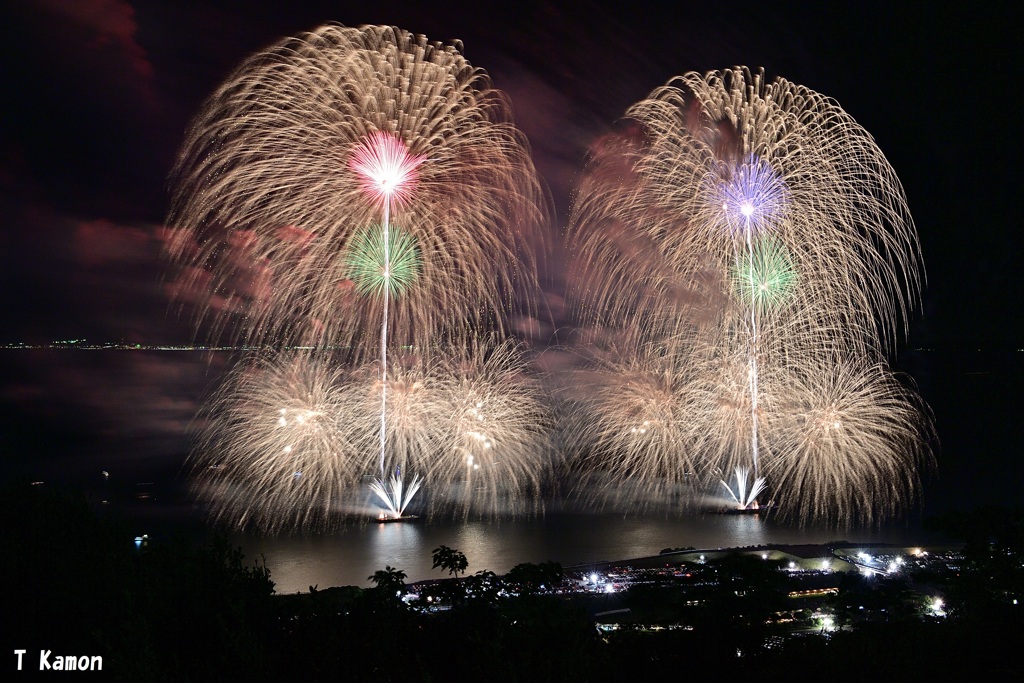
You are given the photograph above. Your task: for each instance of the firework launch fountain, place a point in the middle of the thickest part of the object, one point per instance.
(746, 501)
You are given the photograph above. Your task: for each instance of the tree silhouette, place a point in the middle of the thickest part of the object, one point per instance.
(389, 580)
(530, 578)
(449, 559)
(483, 587)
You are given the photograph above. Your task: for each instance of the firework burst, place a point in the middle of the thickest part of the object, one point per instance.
(271, 453)
(289, 441)
(474, 423)
(375, 266)
(300, 151)
(851, 440)
(764, 278)
(754, 230)
(728, 157)
(753, 198)
(387, 171)
(339, 178)
(630, 427)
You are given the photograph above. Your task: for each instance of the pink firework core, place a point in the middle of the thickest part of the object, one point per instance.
(387, 171)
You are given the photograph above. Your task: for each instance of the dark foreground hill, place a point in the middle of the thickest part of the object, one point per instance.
(77, 584)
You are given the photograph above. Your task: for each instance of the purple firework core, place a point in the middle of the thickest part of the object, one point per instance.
(753, 197)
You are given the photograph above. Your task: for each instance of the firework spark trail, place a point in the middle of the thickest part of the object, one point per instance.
(384, 340)
(744, 232)
(753, 348)
(752, 199)
(388, 174)
(266, 201)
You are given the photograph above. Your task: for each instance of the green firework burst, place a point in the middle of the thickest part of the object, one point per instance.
(365, 261)
(766, 276)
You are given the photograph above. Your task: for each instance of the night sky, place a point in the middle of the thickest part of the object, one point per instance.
(96, 96)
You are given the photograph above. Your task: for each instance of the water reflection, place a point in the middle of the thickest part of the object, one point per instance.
(399, 544)
(350, 557)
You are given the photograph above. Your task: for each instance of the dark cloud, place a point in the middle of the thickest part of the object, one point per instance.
(69, 277)
(100, 243)
(77, 411)
(83, 115)
(100, 37)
